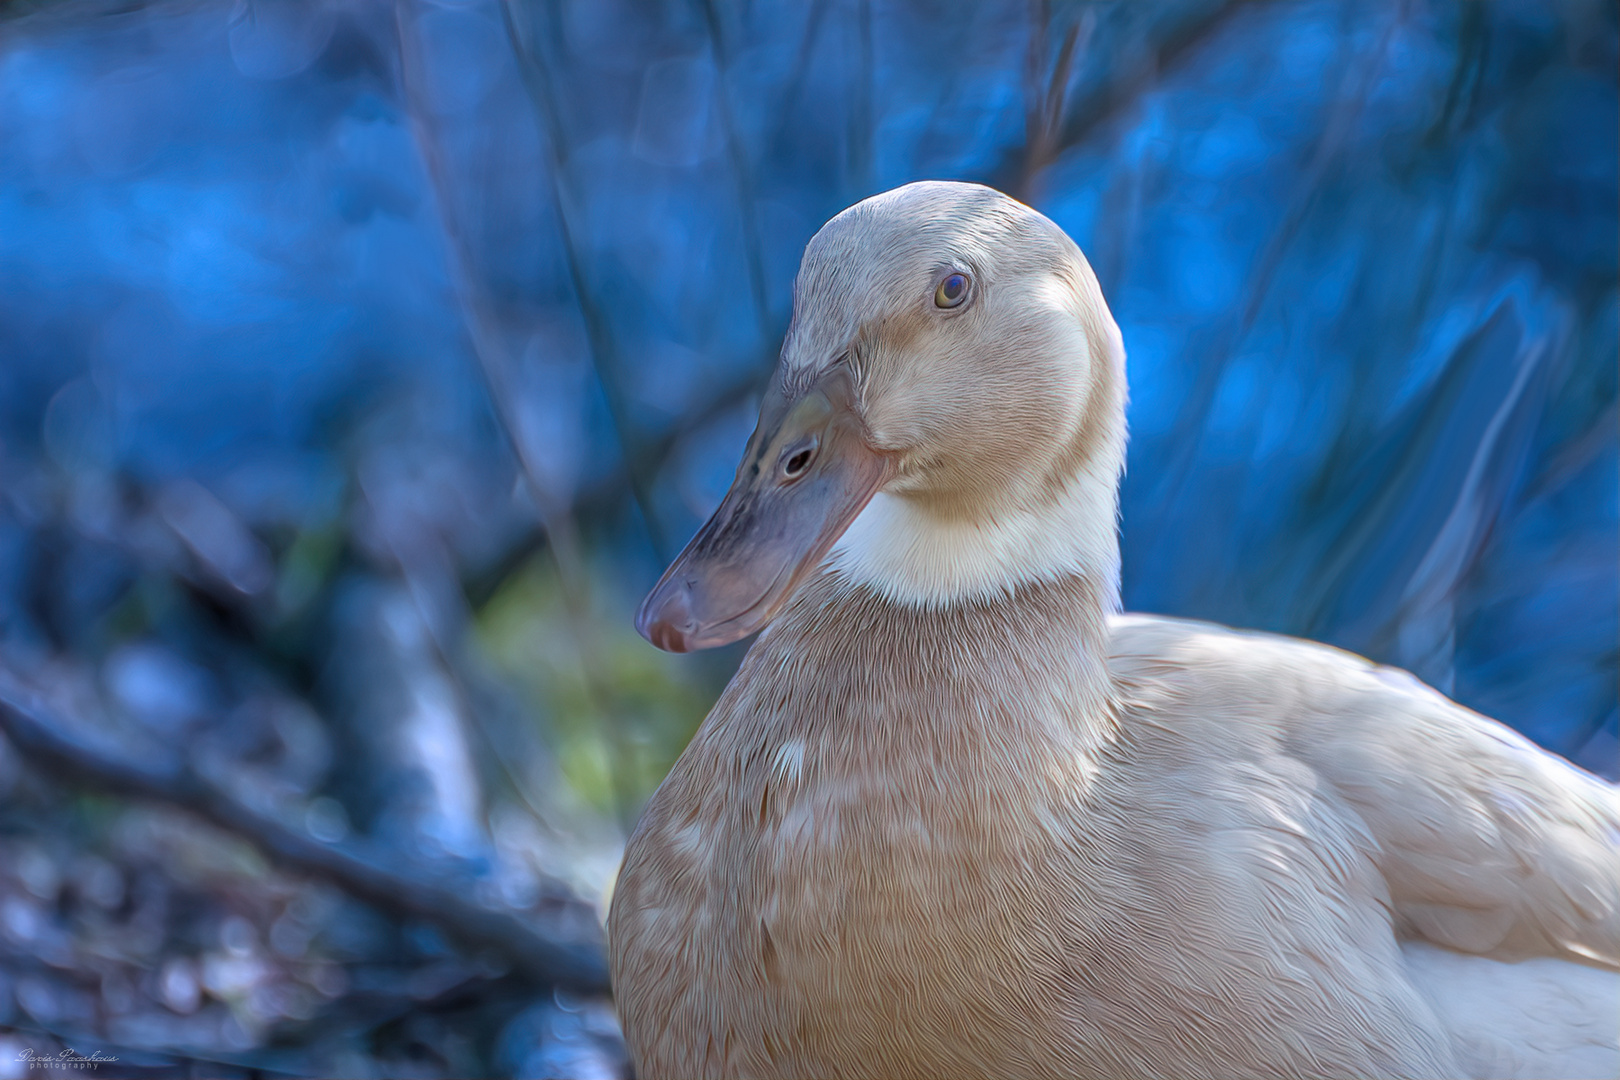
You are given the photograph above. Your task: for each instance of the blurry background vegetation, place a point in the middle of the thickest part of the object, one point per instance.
(361, 365)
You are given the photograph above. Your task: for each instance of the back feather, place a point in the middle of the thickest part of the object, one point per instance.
(1489, 845)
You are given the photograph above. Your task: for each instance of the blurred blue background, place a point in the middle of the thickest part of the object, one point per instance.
(361, 365)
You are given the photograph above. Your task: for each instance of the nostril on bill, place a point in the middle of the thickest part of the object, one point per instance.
(666, 620)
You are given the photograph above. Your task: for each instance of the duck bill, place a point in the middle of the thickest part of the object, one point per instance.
(775, 525)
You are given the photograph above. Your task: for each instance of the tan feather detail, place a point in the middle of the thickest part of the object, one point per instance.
(1489, 845)
(952, 818)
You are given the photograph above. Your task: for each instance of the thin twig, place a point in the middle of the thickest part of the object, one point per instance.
(861, 123)
(168, 778)
(603, 497)
(794, 82)
(740, 168)
(536, 75)
(1046, 94)
(1356, 86)
(1089, 112)
(494, 363)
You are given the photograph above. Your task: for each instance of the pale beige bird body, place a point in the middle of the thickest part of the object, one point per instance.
(956, 817)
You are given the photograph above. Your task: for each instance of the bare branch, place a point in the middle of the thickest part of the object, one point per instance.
(1045, 95)
(536, 76)
(603, 497)
(740, 167)
(495, 364)
(1356, 86)
(168, 778)
(861, 122)
(1171, 48)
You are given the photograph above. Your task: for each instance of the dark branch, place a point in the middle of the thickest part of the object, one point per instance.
(535, 72)
(164, 778)
(1179, 41)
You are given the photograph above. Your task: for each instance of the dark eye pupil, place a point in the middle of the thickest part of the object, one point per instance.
(954, 286)
(797, 462)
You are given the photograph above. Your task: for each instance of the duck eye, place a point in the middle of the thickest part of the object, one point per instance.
(799, 461)
(952, 290)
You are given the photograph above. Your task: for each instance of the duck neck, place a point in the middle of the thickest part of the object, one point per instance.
(933, 554)
(1019, 668)
(992, 528)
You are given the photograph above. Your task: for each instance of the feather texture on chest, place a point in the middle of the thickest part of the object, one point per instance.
(957, 817)
(885, 767)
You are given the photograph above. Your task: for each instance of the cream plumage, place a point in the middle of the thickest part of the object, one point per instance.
(956, 817)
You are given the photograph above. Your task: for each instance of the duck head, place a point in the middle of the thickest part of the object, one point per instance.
(946, 421)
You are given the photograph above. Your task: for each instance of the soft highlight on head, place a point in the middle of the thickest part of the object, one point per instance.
(951, 398)
(1006, 415)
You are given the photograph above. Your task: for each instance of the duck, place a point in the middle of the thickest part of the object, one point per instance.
(957, 815)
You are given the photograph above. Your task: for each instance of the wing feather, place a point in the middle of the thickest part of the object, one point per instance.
(1489, 844)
